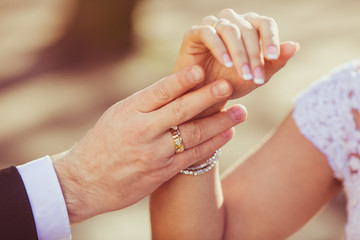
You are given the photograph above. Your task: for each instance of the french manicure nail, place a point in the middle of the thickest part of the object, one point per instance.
(220, 89)
(259, 76)
(272, 52)
(227, 60)
(246, 72)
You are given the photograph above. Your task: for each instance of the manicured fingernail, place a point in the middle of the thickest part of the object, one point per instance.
(228, 134)
(272, 52)
(221, 89)
(227, 60)
(195, 75)
(236, 113)
(246, 72)
(259, 76)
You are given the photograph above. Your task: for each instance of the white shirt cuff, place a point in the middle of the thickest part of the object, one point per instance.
(46, 199)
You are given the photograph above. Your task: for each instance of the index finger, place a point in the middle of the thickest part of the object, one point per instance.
(191, 104)
(168, 89)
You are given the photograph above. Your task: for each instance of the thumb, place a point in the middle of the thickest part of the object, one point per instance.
(287, 50)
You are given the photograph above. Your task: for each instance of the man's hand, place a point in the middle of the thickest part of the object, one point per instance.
(130, 151)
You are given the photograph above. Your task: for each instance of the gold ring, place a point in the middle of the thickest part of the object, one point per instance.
(220, 21)
(178, 141)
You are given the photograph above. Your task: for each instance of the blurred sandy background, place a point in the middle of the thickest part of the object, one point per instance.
(63, 62)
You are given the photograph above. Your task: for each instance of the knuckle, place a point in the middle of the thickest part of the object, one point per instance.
(227, 12)
(208, 19)
(114, 112)
(270, 20)
(178, 111)
(267, 22)
(142, 131)
(160, 168)
(213, 144)
(196, 132)
(149, 161)
(193, 30)
(196, 153)
(143, 127)
(230, 28)
(206, 30)
(248, 28)
(252, 14)
(255, 58)
(271, 25)
(142, 163)
(251, 30)
(147, 128)
(162, 92)
(233, 26)
(190, 32)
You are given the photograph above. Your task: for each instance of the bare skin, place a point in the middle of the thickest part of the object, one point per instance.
(129, 152)
(279, 187)
(246, 40)
(271, 194)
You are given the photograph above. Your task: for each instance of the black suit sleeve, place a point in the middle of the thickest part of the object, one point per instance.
(16, 217)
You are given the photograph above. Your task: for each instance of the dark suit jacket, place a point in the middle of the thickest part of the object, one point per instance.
(16, 218)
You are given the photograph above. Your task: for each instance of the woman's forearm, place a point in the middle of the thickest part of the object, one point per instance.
(188, 207)
(191, 207)
(278, 188)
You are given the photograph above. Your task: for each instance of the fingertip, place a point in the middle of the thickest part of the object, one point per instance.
(222, 89)
(245, 72)
(272, 52)
(289, 49)
(244, 109)
(227, 60)
(229, 134)
(196, 74)
(238, 113)
(259, 76)
(295, 47)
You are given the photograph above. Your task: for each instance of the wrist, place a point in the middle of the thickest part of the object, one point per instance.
(204, 166)
(71, 189)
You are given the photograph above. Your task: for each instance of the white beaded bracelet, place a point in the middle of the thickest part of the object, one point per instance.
(204, 167)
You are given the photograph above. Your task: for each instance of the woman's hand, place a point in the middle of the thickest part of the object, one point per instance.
(130, 151)
(243, 49)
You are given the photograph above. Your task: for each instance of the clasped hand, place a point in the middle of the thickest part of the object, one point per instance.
(244, 49)
(130, 152)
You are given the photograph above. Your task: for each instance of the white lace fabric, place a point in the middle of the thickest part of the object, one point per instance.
(324, 114)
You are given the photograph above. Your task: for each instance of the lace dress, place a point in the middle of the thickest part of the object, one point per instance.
(324, 114)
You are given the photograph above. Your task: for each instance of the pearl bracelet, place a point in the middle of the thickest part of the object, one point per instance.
(203, 167)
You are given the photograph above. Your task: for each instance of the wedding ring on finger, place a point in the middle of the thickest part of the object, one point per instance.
(220, 21)
(178, 141)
